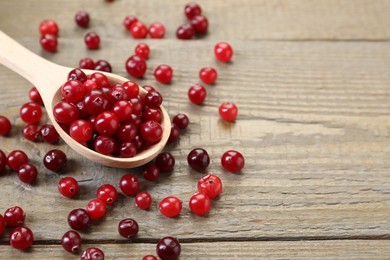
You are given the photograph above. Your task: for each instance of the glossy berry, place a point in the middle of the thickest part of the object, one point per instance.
(104, 145)
(128, 22)
(49, 134)
(148, 88)
(151, 132)
(96, 102)
(107, 193)
(199, 204)
(80, 130)
(143, 200)
(168, 248)
(90, 85)
(49, 42)
(128, 228)
(92, 253)
(103, 65)
(82, 19)
(107, 123)
(174, 135)
(3, 161)
(228, 111)
(136, 66)
(71, 241)
(117, 93)
(132, 88)
(69, 187)
(149, 257)
(92, 41)
(73, 91)
(86, 63)
(153, 99)
(14, 216)
(151, 172)
(55, 160)
(181, 120)
(15, 159)
(165, 162)
(163, 74)
(138, 30)
(31, 133)
(77, 74)
(138, 106)
(31, 113)
(139, 143)
(129, 184)
(127, 132)
(5, 126)
(96, 208)
(185, 32)
(35, 96)
(197, 94)
(200, 24)
(152, 114)
(232, 161)
(100, 79)
(2, 225)
(198, 159)
(127, 150)
(192, 9)
(48, 27)
(21, 238)
(142, 50)
(157, 30)
(65, 112)
(223, 51)
(208, 75)
(170, 206)
(27, 173)
(79, 219)
(211, 185)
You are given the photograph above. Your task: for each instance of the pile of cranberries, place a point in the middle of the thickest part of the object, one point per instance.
(198, 23)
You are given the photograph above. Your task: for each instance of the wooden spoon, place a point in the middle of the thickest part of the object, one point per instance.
(48, 77)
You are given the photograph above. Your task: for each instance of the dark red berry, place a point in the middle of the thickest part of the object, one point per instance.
(104, 145)
(86, 63)
(200, 24)
(232, 161)
(151, 132)
(15, 159)
(127, 150)
(68, 186)
(191, 10)
(3, 161)
(136, 66)
(163, 73)
(148, 88)
(65, 112)
(31, 133)
(156, 30)
(49, 134)
(27, 173)
(138, 105)
(128, 228)
(81, 130)
(31, 113)
(132, 88)
(93, 253)
(103, 65)
(129, 184)
(55, 160)
(5, 126)
(197, 94)
(152, 114)
(107, 124)
(107, 193)
(138, 30)
(82, 19)
(101, 80)
(165, 162)
(96, 102)
(49, 42)
(228, 111)
(185, 32)
(14, 216)
(181, 120)
(117, 93)
(143, 200)
(35, 96)
(128, 22)
(2, 225)
(92, 40)
(198, 159)
(142, 50)
(223, 51)
(139, 143)
(211, 185)
(174, 134)
(21, 238)
(73, 91)
(168, 248)
(208, 75)
(170, 206)
(77, 74)
(151, 172)
(96, 208)
(79, 219)
(127, 132)
(71, 241)
(48, 27)
(199, 204)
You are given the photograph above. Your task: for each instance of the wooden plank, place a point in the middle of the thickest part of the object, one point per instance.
(229, 19)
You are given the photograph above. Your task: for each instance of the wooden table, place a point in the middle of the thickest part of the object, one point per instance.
(312, 82)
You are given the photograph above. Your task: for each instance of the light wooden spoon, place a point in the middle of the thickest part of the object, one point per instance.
(48, 77)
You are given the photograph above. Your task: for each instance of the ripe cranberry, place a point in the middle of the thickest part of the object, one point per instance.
(170, 206)
(82, 19)
(78, 219)
(153, 99)
(104, 145)
(165, 162)
(181, 120)
(200, 24)
(90, 85)
(55, 160)
(138, 30)
(73, 91)
(14, 216)
(148, 88)
(92, 40)
(191, 10)
(107, 124)
(71, 241)
(185, 32)
(151, 172)
(128, 22)
(65, 112)
(223, 51)
(27, 173)
(168, 248)
(198, 159)
(96, 208)
(211, 185)
(138, 105)
(138, 142)
(2, 225)
(86, 63)
(151, 132)
(103, 65)
(21, 238)
(117, 93)
(232, 161)
(101, 80)
(5, 126)
(136, 66)
(15, 159)
(163, 73)
(156, 30)
(152, 114)
(48, 27)
(81, 130)
(107, 193)
(208, 75)
(35, 97)
(49, 134)
(174, 135)
(143, 200)
(3, 161)
(93, 253)
(128, 228)
(31, 132)
(31, 113)
(96, 102)
(142, 50)
(49, 42)
(228, 111)
(77, 74)
(83, 113)
(197, 94)
(199, 204)
(68, 186)
(127, 132)
(132, 88)
(127, 150)
(129, 184)
(149, 257)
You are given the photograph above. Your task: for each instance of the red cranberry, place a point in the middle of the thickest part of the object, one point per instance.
(49, 42)
(174, 135)
(191, 10)
(197, 94)
(200, 24)
(138, 30)
(149, 257)
(228, 111)
(83, 113)
(92, 40)
(96, 102)
(96, 208)
(107, 124)
(156, 30)
(170, 206)
(3, 161)
(104, 145)
(2, 225)
(168, 248)
(128, 228)
(165, 162)
(78, 219)
(181, 120)
(90, 85)
(211, 185)
(129, 184)
(81, 130)
(151, 132)
(71, 241)
(128, 22)
(65, 112)
(48, 27)
(139, 143)
(73, 91)
(117, 93)
(163, 73)
(127, 150)
(132, 88)
(55, 160)
(27, 173)
(138, 105)
(148, 88)
(107, 193)
(87, 63)
(142, 50)
(136, 66)
(152, 114)
(199, 204)
(93, 253)
(208, 75)
(232, 161)
(77, 74)
(143, 200)
(151, 172)
(103, 65)
(15, 159)
(101, 80)
(21, 238)
(35, 97)
(5, 126)
(223, 51)
(127, 132)
(153, 99)
(14, 216)
(49, 134)
(82, 19)
(68, 186)
(185, 32)
(31, 113)
(31, 133)
(198, 159)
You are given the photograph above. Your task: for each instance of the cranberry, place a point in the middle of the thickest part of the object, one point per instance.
(142, 50)
(35, 96)
(211, 185)
(156, 30)
(181, 120)
(170, 206)
(3, 161)
(96, 102)
(92, 40)
(148, 88)
(100, 79)
(127, 150)
(185, 32)
(199, 204)
(153, 99)
(65, 112)
(117, 93)
(129, 184)
(81, 130)
(223, 51)
(138, 142)
(228, 111)
(31, 113)
(149, 257)
(208, 75)
(151, 172)
(96, 208)
(136, 66)
(14, 216)
(55, 160)
(163, 73)
(143, 200)
(127, 132)
(138, 30)
(83, 113)
(31, 132)
(82, 19)
(78, 219)
(165, 162)
(15, 159)
(49, 42)
(128, 228)
(73, 91)
(87, 63)
(107, 193)
(200, 24)
(198, 159)
(191, 10)
(49, 134)
(68, 186)
(104, 145)
(48, 27)
(174, 135)
(21, 238)
(151, 132)
(107, 124)
(103, 65)
(197, 94)
(138, 105)
(128, 22)
(152, 114)
(93, 253)
(27, 173)
(90, 85)
(168, 248)
(5, 126)
(77, 74)
(132, 88)
(71, 241)
(2, 225)
(232, 161)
